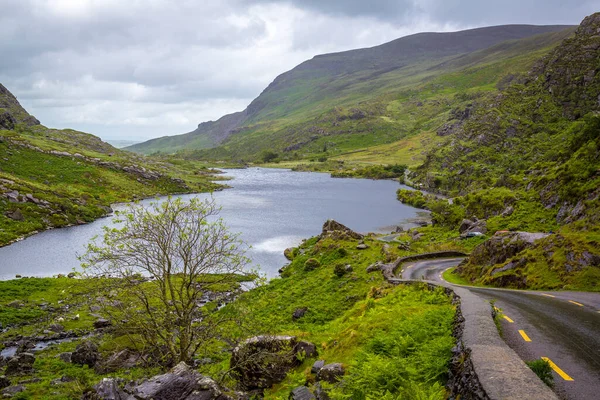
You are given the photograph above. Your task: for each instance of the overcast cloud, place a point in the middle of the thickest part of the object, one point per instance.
(138, 69)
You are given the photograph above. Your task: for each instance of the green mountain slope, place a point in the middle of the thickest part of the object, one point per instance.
(53, 178)
(343, 79)
(527, 158)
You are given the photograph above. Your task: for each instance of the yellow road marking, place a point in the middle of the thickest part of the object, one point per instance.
(524, 335)
(508, 319)
(576, 303)
(557, 370)
(547, 295)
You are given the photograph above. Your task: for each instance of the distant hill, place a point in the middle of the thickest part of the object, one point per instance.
(53, 178)
(346, 79)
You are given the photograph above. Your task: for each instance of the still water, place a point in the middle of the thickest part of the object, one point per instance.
(272, 209)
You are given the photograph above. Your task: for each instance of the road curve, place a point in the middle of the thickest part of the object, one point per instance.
(564, 327)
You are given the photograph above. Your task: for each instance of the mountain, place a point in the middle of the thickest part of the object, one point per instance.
(53, 178)
(347, 79)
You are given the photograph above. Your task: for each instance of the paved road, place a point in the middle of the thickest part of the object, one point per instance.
(561, 326)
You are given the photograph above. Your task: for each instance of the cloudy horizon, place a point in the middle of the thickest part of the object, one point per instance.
(142, 69)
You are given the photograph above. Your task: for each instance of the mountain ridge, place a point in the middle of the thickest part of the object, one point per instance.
(285, 93)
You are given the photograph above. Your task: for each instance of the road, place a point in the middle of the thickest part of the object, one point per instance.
(563, 327)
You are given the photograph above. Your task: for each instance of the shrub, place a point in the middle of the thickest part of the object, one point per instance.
(311, 264)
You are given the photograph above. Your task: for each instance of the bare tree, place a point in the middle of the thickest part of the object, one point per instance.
(165, 266)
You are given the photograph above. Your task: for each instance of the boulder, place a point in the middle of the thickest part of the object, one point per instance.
(317, 366)
(124, 359)
(299, 313)
(23, 363)
(261, 361)
(468, 226)
(16, 215)
(56, 328)
(181, 383)
(335, 230)
(86, 353)
(101, 323)
(302, 393)
(362, 246)
(12, 390)
(320, 393)
(107, 389)
(66, 357)
(502, 247)
(4, 382)
(289, 253)
(331, 373)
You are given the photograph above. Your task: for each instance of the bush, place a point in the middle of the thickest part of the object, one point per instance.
(311, 264)
(339, 270)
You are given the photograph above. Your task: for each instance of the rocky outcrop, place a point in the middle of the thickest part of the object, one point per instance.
(86, 353)
(331, 373)
(261, 361)
(21, 364)
(181, 383)
(502, 247)
(335, 230)
(468, 226)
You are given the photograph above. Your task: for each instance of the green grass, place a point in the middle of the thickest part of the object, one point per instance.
(451, 277)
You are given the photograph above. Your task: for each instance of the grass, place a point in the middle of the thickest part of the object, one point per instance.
(393, 340)
(451, 277)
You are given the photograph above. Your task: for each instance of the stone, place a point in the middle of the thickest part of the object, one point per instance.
(66, 356)
(301, 393)
(299, 313)
(362, 246)
(56, 328)
(331, 373)
(12, 390)
(317, 366)
(101, 323)
(86, 353)
(124, 359)
(16, 304)
(108, 389)
(16, 215)
(22, 363)
(335, 230)
(320, 393)
(289, 253)
(261, 361)
(4, 382)
(95, 309)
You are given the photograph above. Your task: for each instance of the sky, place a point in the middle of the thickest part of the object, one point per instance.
(138, 69)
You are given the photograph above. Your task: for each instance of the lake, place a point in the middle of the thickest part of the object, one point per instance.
(272, 209)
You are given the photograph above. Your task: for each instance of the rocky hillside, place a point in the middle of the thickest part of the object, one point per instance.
(52, 178)
(538, 134)
(343, 79)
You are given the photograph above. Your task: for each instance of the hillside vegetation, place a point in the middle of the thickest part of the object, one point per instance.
(354, 99)
(53, 178)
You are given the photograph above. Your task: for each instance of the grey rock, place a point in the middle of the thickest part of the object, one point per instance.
(299, 313)
(66, 357)
(56, 328)
(101, 323)
(301, 393)
(23, 363)
(331, 373)
(16, 215)
(317, 366)
(12, 390)
(362, 246)
(4, 382)
(86, 353)
(335, 230)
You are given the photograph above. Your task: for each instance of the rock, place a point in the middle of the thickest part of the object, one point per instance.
(4, 382)
(16, 215)
(180, 383)
(95, 309)
(362, 246)
(66, 357)
(301, 393)
(124, 359)
(317, 366)
(299, 313)
(101, 323)
(261, 361)
(23, 363)
(16, 303)
(86, 353)
(500, 248)
(331, 373)
(320, 393)
(465, 225)
(107, 389)
(508, 211)
(311, 264)
(12, 390)
(468, 226)
(335, 230)
(56, 328)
